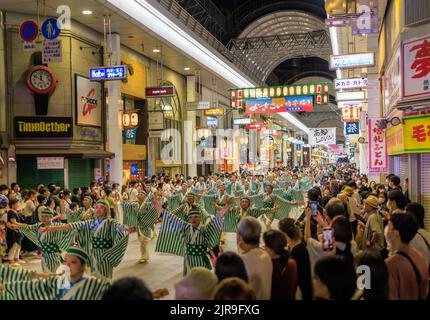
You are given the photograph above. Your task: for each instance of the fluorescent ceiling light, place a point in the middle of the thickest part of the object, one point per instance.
(156, 50)
(187, 69)
(149, 17)
(87, 12)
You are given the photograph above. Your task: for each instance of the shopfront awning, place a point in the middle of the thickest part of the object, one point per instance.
(67, 153)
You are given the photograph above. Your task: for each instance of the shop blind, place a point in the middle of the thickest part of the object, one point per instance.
(396, 165)
(28, 175)
(81, 172)
(403, 167)
(416, 12)
(425, 188)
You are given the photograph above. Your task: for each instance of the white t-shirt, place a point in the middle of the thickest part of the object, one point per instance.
(133, 195)
(419, 243)
(259, 268)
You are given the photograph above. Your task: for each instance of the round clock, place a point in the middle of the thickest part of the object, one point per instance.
(41, 80)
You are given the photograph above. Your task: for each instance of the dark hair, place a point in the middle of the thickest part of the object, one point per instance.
(342, 231)
(338, 275)
(378, 275)
(66, 192)
(313, 195)
(289, 227)
(12, 202)
(406, 225)
(73, 205)
(233, 289)
(395, 180)
(277, 242)
(13, 185)
(418, 211)
(352, 184)
(40, 198)
(398, 197)
(4, 187)
(42, 190)
(230, 264)
(129, 288)
(76, 190)
(52, 187)
(108, 191)
(49, 201)
(335, 208)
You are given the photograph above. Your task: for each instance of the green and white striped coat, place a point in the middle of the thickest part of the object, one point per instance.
(182, 239)
(145, 217)
(79, 215)
(8, 274)
(233, 216)
(182, 212)
(50, 243)
(105, 241)
(89, 288)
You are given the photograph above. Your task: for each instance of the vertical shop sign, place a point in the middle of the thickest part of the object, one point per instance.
(378, 157)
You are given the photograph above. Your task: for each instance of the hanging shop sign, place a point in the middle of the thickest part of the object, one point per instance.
(51, 29)
(416, 68)
(89, 133)
(378, 157)
(350, 95)
(391, 83)
(318, 90)
(352, 128)
(52, 51)
(276, 105)
(322, 136)
(212, 122)
(351, 114)
(29, 31)
(130, 135)
(351, 61)
(88, 102)
(109, 73)
(411, 137)
(352, 83)
(203, 105)
(256, 126)
(134, 169)
(48, 163)
(155, 92)
(349, 104)
(214, 112)
(43, 127)
(242, 121)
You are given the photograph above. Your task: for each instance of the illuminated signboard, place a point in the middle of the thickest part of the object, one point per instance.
(350, 61)
(269, 105)
(255, 126)
(348, 104)
(111, 73)
(352, 83)
(318, 90)
(350, 95)
(351, 114)
(160, 92)
(241, 121)
(214, 112)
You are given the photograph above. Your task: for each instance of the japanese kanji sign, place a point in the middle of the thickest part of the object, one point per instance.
(52, 51)
(323, 136)
(352, 83)
(352, 128)
(378, 157)
(111, 73)
(416, 68)
(411, 137)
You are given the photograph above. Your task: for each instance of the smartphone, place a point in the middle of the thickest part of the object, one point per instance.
(314, 207)
(328, 241)
(359, 218)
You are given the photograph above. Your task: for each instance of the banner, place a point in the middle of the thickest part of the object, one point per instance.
(378, 157)
(130, 135)
(48, 163)
(322, 136)
(88, 102)
(276, 105)
(352, 128)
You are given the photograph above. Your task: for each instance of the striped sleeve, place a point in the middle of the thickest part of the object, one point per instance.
(130, 213)
(231, 219)
(213, 231)
(208, 204)
(63, 238)
(30, 232)
(120, 241)
(40, 289)
(93, 289)
(284, 208)
(171, 236)
(257, 201)
(8, 274)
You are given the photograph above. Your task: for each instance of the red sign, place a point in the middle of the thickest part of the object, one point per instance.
(378, 156)
(255, 126)
(160, 92)
(29, 31)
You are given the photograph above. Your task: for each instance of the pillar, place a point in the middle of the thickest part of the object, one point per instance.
(190, 143)
(114, 125)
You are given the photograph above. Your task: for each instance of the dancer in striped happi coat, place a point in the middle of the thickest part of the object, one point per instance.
(51, 244)
(182, 211)
(74, 285)
(146, 217)
(104, 239)
(86, 212)
(192, 239)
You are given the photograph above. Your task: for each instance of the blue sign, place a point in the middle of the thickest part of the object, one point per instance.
(29, 31)
(268, 138)
(111, 73)
(298, 147)
(134, 170)
(352, 128)
(130, 135)
(50, 29)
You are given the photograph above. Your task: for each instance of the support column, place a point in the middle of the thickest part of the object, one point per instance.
(415, 182)
(190, 143)
(114, 125)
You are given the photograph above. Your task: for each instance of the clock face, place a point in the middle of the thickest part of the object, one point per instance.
(41, 79)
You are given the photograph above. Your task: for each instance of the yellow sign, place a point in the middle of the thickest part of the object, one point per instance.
(214, 112)
(411, 137)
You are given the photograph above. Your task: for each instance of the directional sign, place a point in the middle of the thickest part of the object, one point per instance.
(29, 31)
(50, 29)
(111, 73)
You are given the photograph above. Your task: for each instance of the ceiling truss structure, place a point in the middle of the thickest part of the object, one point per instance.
(263, 54)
